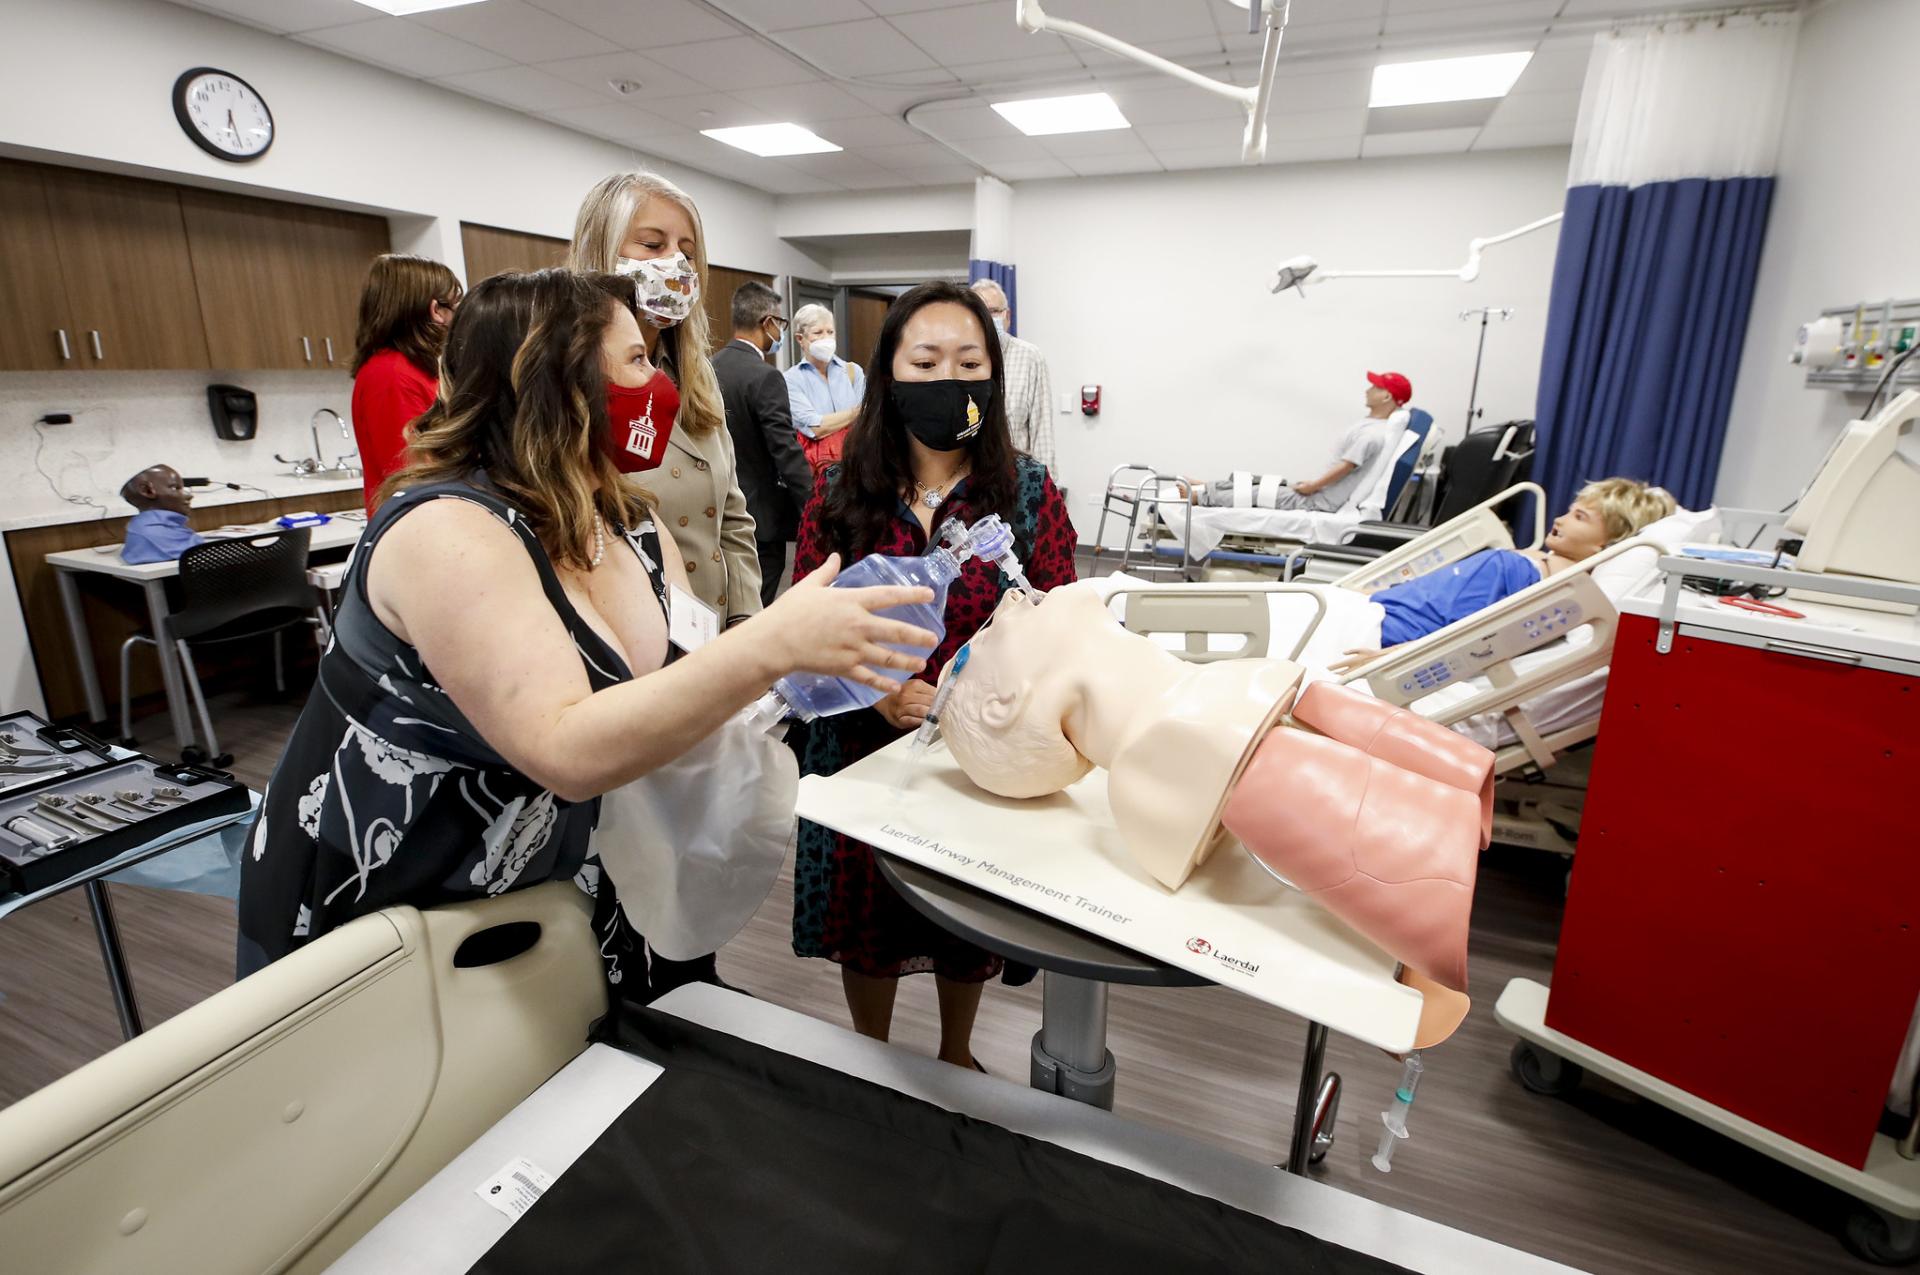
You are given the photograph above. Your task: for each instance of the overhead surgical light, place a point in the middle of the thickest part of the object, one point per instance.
(1294, 271)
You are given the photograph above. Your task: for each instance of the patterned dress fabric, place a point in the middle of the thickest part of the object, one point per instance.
(387, 795)
(843, 909)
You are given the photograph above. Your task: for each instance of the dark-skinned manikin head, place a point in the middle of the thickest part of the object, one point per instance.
(157, 487)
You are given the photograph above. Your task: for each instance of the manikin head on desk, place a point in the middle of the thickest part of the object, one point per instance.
(157, 487)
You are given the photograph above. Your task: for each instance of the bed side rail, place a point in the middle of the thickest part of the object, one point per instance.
(1200, 611)
(1476, 529)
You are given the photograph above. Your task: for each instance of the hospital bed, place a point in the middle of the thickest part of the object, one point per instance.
(351, 1107)
(1525, 677)
(1172, 536)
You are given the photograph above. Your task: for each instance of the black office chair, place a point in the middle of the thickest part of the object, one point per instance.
(244, 587)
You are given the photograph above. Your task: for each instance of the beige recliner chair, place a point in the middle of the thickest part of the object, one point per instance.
(270, 1127)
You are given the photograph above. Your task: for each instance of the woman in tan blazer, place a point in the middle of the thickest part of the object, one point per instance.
(641, 225)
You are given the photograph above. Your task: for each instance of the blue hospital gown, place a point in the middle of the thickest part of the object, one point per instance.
(1454, 592)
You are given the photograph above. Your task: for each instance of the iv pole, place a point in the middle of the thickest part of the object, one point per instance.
(1485, 312)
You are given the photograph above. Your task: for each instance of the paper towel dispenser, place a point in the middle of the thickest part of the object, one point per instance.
(236, 413)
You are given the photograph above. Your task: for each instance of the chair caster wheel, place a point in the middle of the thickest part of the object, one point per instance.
(194, 756)
(1542, 1072)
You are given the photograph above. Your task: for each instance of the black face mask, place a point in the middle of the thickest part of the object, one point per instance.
(942, 414)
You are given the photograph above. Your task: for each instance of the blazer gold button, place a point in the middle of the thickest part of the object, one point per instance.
(700, 465)
(676, 471)
(683, 521)
(716, 555)
(709, 511)
(689, 567)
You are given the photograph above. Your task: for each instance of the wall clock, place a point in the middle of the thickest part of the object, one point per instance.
(223, 114)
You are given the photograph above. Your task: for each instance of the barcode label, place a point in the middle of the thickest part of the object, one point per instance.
(515, 1187)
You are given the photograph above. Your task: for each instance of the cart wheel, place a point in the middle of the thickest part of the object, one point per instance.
(194, 756)
(1543, 1072)
(1882, 1238)
(1326, 1107)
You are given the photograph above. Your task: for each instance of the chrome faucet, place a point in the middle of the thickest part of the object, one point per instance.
(308, 466)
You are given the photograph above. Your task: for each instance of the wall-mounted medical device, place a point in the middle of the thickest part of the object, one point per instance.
(1850, 347)
(1089, 400)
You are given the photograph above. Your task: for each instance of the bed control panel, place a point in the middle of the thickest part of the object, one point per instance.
(1555, 619)
(1439, 554)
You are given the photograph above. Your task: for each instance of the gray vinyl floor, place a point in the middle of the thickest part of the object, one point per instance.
(1601, 1180)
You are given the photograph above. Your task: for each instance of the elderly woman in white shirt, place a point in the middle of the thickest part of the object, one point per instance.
(823, 389)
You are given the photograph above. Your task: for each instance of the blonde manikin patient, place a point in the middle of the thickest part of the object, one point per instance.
(1375, 813)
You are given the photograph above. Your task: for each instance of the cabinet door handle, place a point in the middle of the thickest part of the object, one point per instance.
(306, 348)
(329, 344)
(98, 353)
(66, 347)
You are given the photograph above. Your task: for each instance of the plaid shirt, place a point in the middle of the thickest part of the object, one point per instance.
(1029, 393)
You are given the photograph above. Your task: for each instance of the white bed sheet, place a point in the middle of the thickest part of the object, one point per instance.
(1211, 525)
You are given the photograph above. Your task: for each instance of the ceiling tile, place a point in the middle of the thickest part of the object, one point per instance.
(403, 47)
(1194, 52)
(858, 48)
(879, 179)
(1515, 16)
(1307, 126)
(654, 80)
(807, 103)
(975, 33)
(1105, 165)
(523, 88)
(1537, 108)
(1299, 89)
(633, 26)
(709, 110)
(784, 15)
(1113, 141)
(1194, 135)
(744, 62)
(875, 130)
(1147, 23)
(1005, 74)
(961, 123)
(1206, 157)
(904, 91)
(1558, 66)
(283, 16)
(1424, 117)
(1439, 141)
(1313, 151)
(515, 30)
(888, 7)
(787, 182)
(1031, 170)
(1357, 32)
(616, 120)
(1154, 101)
(941, 174)
(1311, 13)
(994, 151)
(916, 155)
(1496, 137)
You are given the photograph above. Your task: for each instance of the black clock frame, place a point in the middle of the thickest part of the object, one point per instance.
(193, 132)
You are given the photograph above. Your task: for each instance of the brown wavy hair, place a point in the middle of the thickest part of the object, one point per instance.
(876, 467)
(396, 310)
(600, 228)
(523, 397)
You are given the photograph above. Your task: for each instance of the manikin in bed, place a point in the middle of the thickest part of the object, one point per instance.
(1374, 812)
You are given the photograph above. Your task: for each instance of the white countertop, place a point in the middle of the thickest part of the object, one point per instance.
(1884, 634)
(44, 509)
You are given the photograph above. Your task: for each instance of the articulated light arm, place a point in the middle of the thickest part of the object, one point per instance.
(1033, 19)
(1295, 271)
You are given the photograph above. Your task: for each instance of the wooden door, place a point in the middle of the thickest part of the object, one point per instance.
(337, 248)
(866, 311)
(722, 281)
(246, 259)
(36, 326)
(491, 251)
(123, 252)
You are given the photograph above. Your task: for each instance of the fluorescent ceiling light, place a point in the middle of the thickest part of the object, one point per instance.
(401, 8)
(1081, 113)
(1446, 79)
(772, 139)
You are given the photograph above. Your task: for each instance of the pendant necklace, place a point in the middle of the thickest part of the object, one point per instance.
(932, 496)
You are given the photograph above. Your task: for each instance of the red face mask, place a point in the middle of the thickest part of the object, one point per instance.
(639, 423)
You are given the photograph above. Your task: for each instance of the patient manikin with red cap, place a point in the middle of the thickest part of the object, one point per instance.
(1374, 812)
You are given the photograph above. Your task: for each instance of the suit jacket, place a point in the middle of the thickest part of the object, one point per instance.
(774, 474)
(701, 505)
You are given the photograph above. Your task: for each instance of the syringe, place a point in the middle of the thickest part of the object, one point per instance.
(923, 738)
(1395, 1117)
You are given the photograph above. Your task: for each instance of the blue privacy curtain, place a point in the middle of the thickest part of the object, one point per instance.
(1665, 216)
(979, 268)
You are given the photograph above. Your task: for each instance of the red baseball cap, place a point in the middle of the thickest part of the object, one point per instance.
(1393, 383)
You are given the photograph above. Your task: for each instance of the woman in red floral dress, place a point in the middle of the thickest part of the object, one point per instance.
(930, 443)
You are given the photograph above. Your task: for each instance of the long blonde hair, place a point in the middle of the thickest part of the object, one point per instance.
(523, 400)
(598, 231)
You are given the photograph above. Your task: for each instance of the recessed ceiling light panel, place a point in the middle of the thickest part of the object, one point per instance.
(401, 8)
(772, 139)
(1080, 113)
(1446, 79)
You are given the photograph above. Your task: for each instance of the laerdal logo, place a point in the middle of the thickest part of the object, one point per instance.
(1200, 947)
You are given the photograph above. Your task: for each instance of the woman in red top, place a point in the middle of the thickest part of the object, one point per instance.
(404, 312)
(930, 443)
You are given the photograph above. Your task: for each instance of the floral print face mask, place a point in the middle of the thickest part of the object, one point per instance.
(665, 288)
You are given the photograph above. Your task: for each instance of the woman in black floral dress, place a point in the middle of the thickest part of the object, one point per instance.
(930, 443)
(500, 657)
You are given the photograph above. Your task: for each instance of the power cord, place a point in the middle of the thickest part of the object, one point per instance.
(40, 431)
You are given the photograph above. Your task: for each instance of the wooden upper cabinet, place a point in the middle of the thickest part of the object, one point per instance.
(490, 251)
(129, 279)
(279, 283)
(36, 327)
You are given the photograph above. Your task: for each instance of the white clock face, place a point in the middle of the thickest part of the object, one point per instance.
(223, 114)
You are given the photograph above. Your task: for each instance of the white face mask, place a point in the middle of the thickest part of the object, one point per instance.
(1000, 324)
(821, 351)
(665, 288)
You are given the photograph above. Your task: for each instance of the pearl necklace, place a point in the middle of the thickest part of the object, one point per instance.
(599, 542)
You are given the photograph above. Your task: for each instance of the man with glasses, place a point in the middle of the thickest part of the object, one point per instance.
(774, 474)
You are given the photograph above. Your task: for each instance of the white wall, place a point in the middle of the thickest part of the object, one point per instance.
(1156, 288)
(1840, 232)
(91, 81)
(877, 212)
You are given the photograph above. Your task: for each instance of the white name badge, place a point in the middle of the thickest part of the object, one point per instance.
(691, 623)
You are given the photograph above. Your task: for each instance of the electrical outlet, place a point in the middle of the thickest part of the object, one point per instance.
(1068, 406)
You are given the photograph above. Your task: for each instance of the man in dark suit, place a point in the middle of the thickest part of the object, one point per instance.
(774, 474)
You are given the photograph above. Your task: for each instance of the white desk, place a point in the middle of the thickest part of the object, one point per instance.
(104, 560)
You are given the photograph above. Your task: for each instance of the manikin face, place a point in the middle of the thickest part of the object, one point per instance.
(160, 488)
(623, 350)
(1578, 533)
